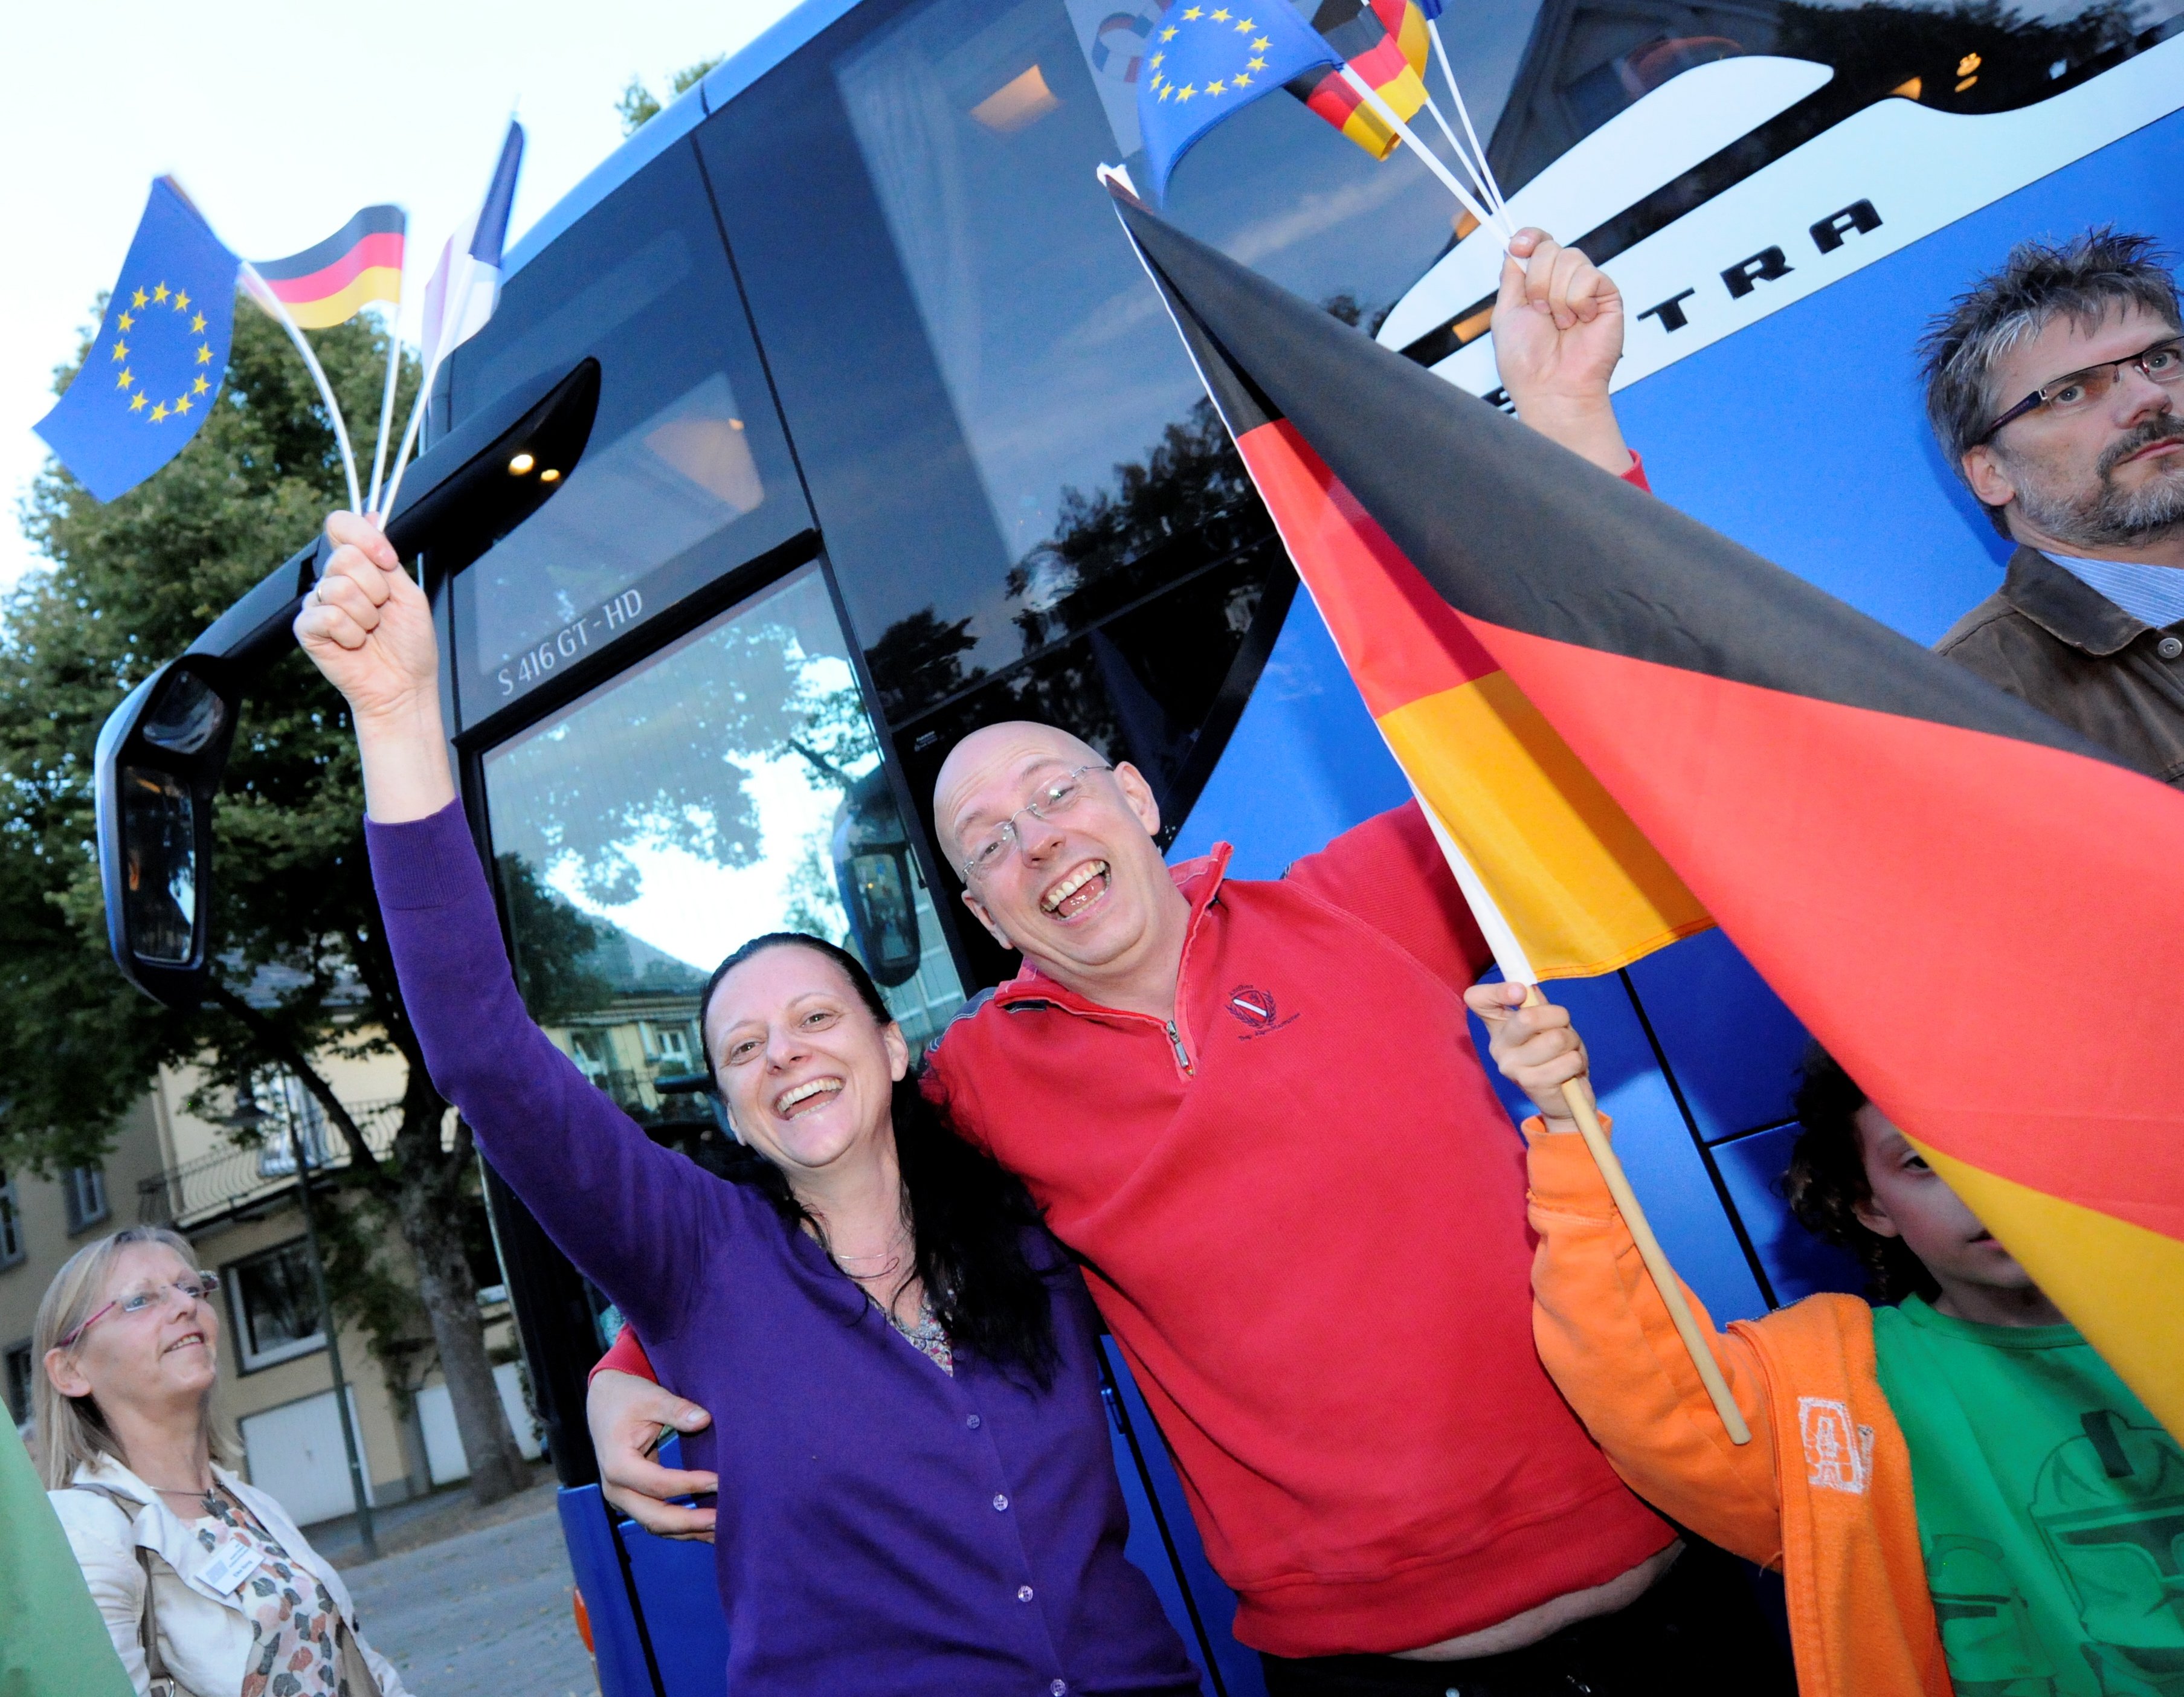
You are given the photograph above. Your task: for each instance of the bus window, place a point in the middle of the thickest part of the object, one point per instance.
(687, 475)
(1004, 442)
(644, 833)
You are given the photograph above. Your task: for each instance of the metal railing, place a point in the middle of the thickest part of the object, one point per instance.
(242, 1175)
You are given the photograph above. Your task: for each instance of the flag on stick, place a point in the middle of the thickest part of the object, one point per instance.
(465, 285)
(464, 291)
(1209, 61)
(1575, 888)
(332, 281)
(1880, 830)
(1560, 880)
(153, 371)
(1377, 40)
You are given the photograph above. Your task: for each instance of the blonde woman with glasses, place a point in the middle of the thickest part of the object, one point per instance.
(206, 1585)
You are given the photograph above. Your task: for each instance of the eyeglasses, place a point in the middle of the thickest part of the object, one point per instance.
(197, 1287)
(2162, 364)
(1053, 800)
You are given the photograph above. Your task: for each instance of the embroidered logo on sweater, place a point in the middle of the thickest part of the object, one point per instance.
(1838, 1453)
(1257, 1010)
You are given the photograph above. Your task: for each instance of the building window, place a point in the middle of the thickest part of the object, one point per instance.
(19, 1381)
(275, 1310)
(85, 1189)
(589, 1049)
(11, 1224)
(670, 1047)
(292, 1115)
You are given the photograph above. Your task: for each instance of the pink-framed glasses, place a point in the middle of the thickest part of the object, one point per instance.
(195, 1288)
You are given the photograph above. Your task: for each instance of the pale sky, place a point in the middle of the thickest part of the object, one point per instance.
(280, 121)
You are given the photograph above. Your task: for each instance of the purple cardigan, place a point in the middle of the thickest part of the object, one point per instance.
(883, 1527)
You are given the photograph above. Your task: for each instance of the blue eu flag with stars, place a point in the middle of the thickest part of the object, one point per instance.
(155, 368)
(1206, 61)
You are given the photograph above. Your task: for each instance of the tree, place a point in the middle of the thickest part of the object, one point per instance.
(639, 105)
(302, 970)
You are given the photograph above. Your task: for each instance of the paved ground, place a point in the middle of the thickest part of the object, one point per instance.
(484, 1613)
(427, 1519)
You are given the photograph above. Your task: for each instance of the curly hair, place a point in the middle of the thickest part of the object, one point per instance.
(981, 1247)
(1826, 1181)
(2084, 281)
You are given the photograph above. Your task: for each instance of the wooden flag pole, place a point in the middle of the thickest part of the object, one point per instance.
(1578, 1099)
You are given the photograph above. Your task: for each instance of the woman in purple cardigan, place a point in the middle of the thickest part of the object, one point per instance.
(916, 1490)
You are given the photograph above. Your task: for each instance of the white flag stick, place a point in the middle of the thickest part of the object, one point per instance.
(1480, 180)
(410, 435)
(1430, 159)
(264, 295)
(1485, 172)
(386, 407)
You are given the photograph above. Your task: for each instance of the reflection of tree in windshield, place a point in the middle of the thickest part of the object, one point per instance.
(666, 759)
(671, 776)
(553, 946)
(921, 658)
(1188, 483)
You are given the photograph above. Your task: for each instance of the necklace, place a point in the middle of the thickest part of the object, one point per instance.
(891, 1257)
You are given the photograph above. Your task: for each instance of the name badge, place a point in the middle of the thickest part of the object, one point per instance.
(234, 1562)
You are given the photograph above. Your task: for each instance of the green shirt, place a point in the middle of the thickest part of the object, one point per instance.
(2051, 1508)
(53, 1642)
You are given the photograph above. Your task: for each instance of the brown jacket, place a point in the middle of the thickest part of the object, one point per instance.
(2060, 644)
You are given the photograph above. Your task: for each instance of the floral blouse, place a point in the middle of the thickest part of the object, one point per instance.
(294, 1651)
(929, 1336)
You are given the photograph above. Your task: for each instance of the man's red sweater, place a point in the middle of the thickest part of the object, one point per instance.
(1302, 1212)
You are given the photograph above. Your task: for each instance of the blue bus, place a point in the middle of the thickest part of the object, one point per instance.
(848, 423)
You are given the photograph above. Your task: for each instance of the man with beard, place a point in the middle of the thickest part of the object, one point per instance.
(2053, 387)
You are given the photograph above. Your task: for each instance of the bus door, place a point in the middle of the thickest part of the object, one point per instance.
(671, 741)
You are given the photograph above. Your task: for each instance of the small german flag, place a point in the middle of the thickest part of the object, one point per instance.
(329, 282)
(1974, 909)
(1384, 43)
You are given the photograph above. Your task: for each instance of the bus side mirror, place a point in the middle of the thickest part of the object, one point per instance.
(872, 871)
(159, 760)
(161, 751)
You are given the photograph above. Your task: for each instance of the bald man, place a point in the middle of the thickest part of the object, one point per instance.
(1253, 1111)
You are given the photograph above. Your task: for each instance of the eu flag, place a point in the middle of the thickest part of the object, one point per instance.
(1206, 62)
(155, 367)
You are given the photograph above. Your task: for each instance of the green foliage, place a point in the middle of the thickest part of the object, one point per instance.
(555, 946)
(639, 105)
(128, 585)
(367, 1283)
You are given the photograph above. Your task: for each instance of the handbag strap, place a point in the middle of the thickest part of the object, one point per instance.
(358, 1679)
(355, 1673)
(163, 1683)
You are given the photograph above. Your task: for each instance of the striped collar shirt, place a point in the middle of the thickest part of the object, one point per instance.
(2152, 594)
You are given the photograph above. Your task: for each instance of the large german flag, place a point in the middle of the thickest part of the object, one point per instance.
(1977, 911)
(1564, 885)
(331, 282)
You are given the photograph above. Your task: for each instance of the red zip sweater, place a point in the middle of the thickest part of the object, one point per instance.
(1302, 1214)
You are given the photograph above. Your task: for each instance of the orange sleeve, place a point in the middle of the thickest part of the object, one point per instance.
(626, 1357)
(1607, 1340)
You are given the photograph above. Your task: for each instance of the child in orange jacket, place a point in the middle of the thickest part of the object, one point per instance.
(1954, 1486)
